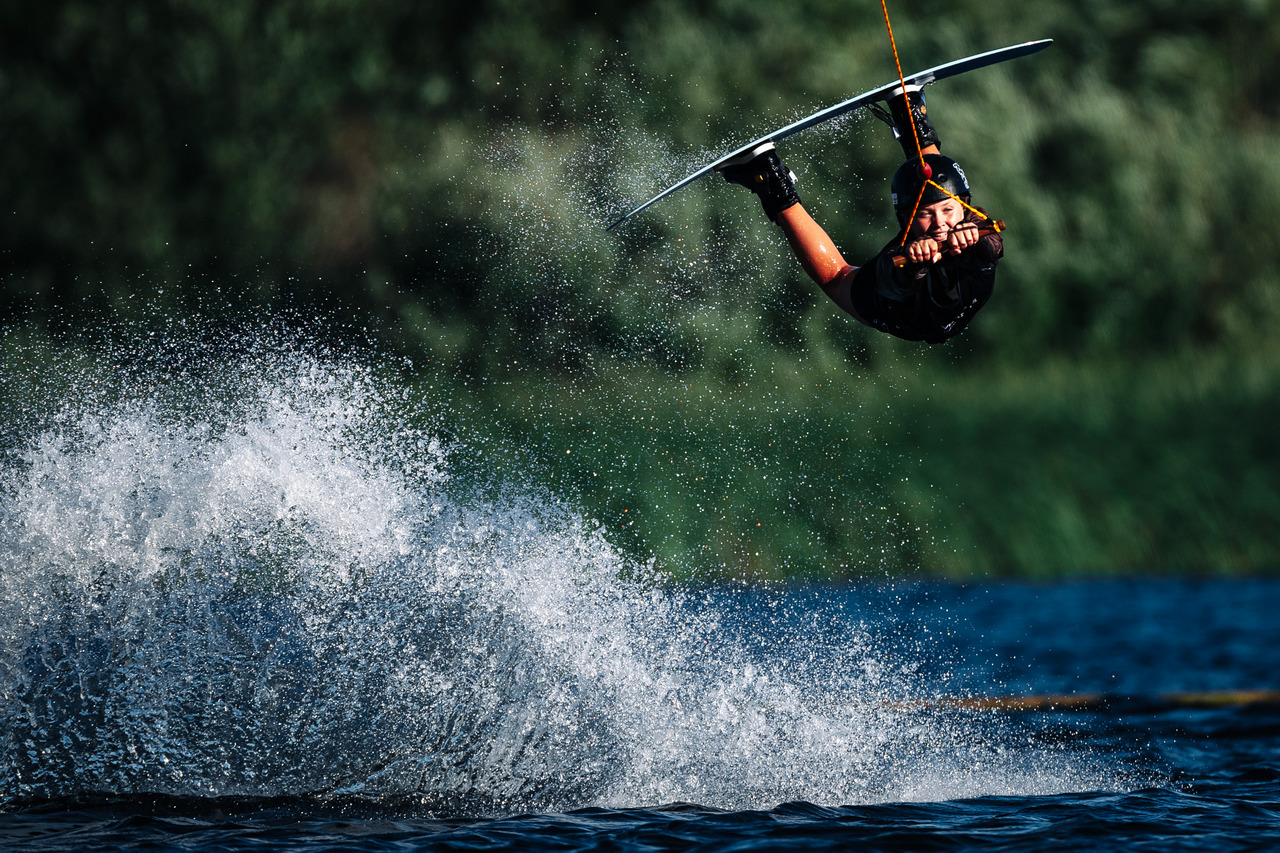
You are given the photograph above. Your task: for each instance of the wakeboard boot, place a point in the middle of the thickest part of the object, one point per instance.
(761, 170)
(909, 118)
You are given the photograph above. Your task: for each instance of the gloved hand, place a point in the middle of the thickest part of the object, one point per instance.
(761, 171)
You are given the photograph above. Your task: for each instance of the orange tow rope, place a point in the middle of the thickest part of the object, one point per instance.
(902, 80)
(911, 116)
(915, 136)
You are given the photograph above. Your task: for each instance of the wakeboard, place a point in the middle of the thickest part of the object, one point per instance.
(882, 93)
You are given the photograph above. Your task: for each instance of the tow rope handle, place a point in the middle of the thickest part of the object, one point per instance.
(996, 227)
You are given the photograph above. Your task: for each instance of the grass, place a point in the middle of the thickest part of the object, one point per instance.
(814, 464)
(1163, 466)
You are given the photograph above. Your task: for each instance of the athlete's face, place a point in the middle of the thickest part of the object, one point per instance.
(936, 220)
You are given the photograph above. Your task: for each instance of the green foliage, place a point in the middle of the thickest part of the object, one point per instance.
(297, 148)
(447, 169)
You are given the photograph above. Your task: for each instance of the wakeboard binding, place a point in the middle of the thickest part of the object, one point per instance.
(762, 171)
(907, 114)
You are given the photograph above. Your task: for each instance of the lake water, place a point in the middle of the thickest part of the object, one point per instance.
(1145, 767)
(254, 611)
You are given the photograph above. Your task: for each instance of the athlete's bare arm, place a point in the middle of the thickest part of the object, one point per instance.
(818, 255)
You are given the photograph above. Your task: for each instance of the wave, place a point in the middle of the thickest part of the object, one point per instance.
(258, 577)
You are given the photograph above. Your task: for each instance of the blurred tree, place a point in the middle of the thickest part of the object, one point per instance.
(393, 156)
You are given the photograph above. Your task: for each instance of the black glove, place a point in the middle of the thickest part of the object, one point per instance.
(764, 174)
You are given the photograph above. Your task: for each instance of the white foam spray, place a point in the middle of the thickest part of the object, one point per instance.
(258, 579)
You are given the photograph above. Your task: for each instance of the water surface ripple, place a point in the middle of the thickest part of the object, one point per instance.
(253, 607)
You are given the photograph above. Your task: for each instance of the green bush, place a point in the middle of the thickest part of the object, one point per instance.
(446, 171)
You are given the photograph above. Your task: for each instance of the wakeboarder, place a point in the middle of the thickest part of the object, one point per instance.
(930, 280)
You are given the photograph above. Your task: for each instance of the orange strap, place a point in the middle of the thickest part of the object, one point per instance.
(915, 136)
(996, 225)
(902, 80)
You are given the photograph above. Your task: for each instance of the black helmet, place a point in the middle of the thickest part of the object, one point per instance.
(943, 171)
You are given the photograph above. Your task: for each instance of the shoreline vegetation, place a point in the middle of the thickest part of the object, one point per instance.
(438, 180)
(1070, 468)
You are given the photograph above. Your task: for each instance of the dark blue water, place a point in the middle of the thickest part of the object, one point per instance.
(1180, 772)
(255, 611)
